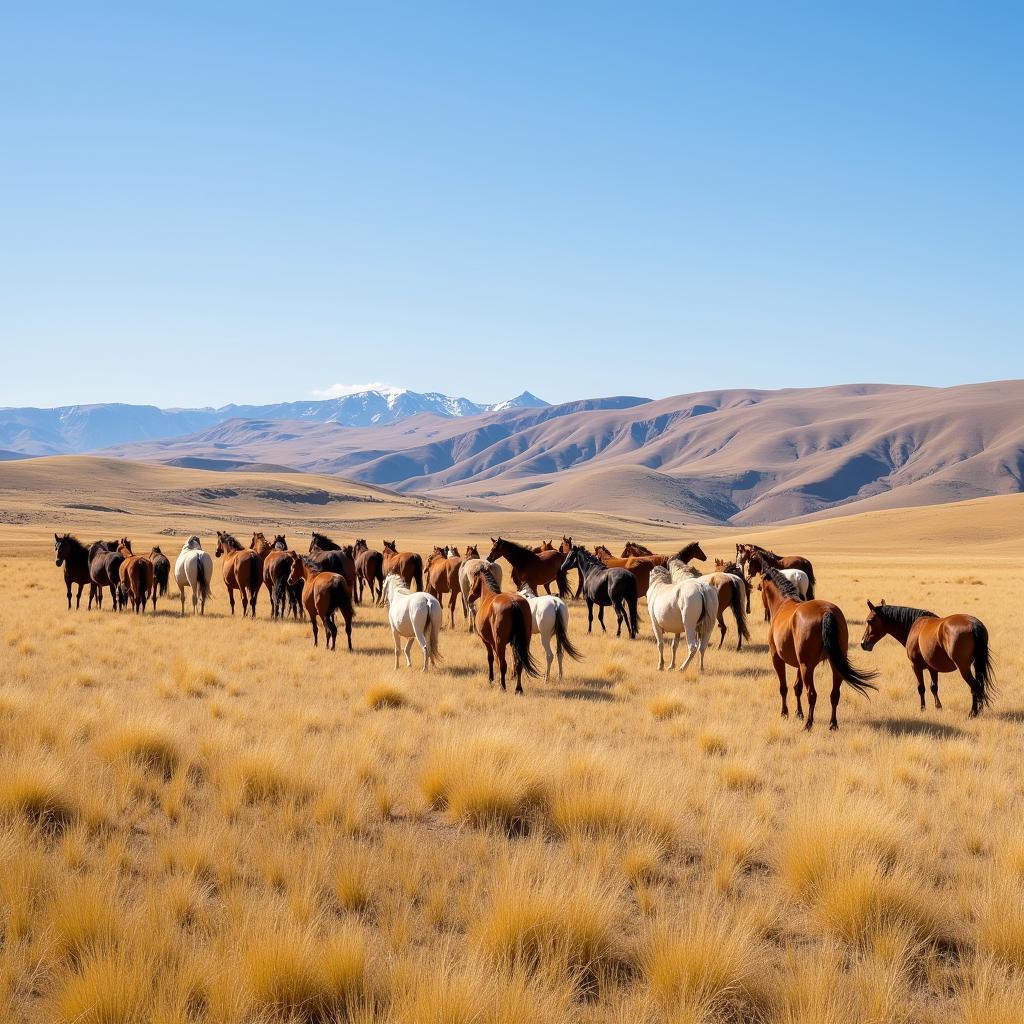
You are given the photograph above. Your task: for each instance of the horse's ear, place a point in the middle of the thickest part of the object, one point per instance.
(882, 601)
(870, 605)
(56, 537)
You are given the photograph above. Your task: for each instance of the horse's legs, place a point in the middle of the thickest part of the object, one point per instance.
(721, 626)
(975, 692)
(408, 648)
(837, 682)
(231, 598)
(252, 599)
(398, 646)
(659, 639)
(421, 639)
(619, 616)
(600, 617)
(332, 632)
(545, 642)
(934, 673)
(502, 664)
(451, 607)
(316, 634)
(490, 665)
(919, 675)
(807, 678)
(245, 601)
(780, 670)
(798, 689)
(590, 615)
(78, 599)
(69, 595)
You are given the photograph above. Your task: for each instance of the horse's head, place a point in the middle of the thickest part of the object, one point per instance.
(314, 543)
(566, 546)
(392, 582)
(574, 558)
(438, 552)
(360, 545)
(546, 545)
(472, 551)
(755, 564)
(155, 551)
(61, 548)
(295, 572)
(391, 546)
(193, 543)
(348, 550)
(221, 544)
(453, 551)
(694, 550)
(497, 547)
(280, 544)
(124, 546)
(875, 627)
(603, 553)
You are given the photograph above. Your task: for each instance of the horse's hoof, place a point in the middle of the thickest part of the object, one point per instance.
(799, 716)
(809, 726)
(785, 714)
(833, 727)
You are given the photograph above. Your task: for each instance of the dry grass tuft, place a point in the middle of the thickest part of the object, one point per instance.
(150, 746)
(386, 695)
(37, 791)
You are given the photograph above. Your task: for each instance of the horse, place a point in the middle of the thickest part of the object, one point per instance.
(731, 589)
(369, 570)
(71, 554)
(193, 568)
(734, 569)
(443, 577)
(950, 643)
(641, 565)
(799, 580)
(277, 567)
(413, 617)
(161, 570)
(803, 634)
(323, 593)
(105, 571)
(605, 586)
(468, 569)
(544, 545)
(677, 604)
(551, 619)
(534, 569)
(503, 620)
(406, 564)
(242, 570)
(332, 557)
(754, 556)
(136, 575)
(684, 554)
(564, 547)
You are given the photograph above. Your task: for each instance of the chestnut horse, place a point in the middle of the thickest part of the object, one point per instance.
(277, 566)
(532, 568)
(753, 557)
(803, 634)
(684, 555)
(333, 557)
(369, 571)
(503, 620)
(136, 575)
(71, 554)
(242, 570)
(406, 564)
(640, 565)
(734, 569)
(952, 643)
(443, 578)
(323, 593)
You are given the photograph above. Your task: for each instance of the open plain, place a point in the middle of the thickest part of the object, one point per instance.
(207, 819)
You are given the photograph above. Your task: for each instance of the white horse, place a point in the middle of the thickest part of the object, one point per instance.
(467, 573)
(678, 603)
(413, 616)
(551, 617)
(194, 568)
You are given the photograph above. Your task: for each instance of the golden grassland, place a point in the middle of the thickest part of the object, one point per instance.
(209, 820)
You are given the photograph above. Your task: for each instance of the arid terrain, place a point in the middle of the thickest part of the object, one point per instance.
(205, 819)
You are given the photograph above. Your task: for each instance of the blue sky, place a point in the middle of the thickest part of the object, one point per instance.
(210, 203)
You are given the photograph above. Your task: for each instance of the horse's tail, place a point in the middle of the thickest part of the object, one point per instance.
(562, 641)
(631, 600)
(983, 671)
(810, 582)
(280, 593)
(738, 599)
(836, 654)
(341, 598)
(708, 616)
(520, 641)
(161, 574)
(563, 584)
(434, 633)
(418, 573)
(202, 580)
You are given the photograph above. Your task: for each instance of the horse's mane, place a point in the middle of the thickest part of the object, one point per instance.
(324, 543)
(307, 561)
(526, 590)
(517, 547)
(766, 551)
(491, 581)
(155, 551)
(399, 585)
(680, 571)
(902, 615)
(660, 574)
(589, 560)
(684, 554)
(639, 547)
(231, 543)
(75, 542)
(785, 586)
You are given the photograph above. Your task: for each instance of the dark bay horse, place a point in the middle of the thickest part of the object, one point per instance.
(502, 621)
(332, 557)
(605, 586)
(953, 643)
(161, 570)
(369, 570)
(72, 555)
(531, 568)
(242, 570)
(406, 564)
(564, 547)
(323, 593)
(105, 570)
(277, 566)
(754, 557)
(803, 634)
(136, 574)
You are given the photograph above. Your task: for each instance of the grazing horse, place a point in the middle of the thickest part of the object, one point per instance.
(471, 565)
(413, 617)
(277, 567)
(136, 574)
(799, 580)
(242, 570)
(503, 620)
(333, 557)
(323, 593)
(161, 570)
(193, 568)
(551, 619)
(534, 569)
(951, 643)
(443, 578)
(754, 557)
(71, 554)
(605, 586)
(105, 571)
(677, 603)
(803, 634)
(369, 571)
(406, 564)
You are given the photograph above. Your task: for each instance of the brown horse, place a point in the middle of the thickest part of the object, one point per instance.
(503, 620)
(332, 557)
(953, 643)
(72, 555)
(242, 570)
(443, 578)
(136, 575)
(406, 564)
(754, 557)
(803, 634)
(734, 569)
(641, 565)
(105, 570)
(531, 568)
(369, 571)
(684, 554)
(161, 571)
(323, 593)
(277, 566)
(544, 545)
(732, 593)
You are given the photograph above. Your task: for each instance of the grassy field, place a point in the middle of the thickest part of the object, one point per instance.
(209, 820)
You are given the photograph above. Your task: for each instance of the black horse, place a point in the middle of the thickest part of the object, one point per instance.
(161, 571)
(603, 586)
(332, 557)
(70, 554)
(105, 571)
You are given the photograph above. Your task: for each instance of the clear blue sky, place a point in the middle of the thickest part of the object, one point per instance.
(204, 203)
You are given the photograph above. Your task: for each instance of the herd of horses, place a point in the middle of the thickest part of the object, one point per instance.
(804, 632)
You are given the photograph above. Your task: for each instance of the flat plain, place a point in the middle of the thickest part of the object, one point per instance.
(205, 819)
